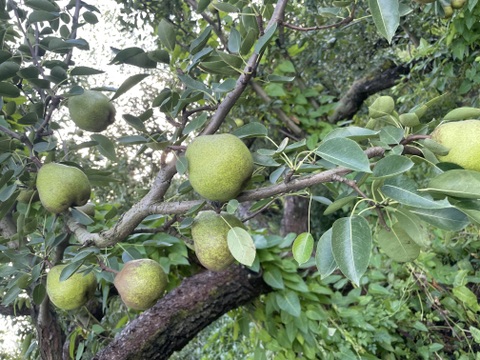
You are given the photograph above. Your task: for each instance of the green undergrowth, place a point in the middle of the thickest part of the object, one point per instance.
(426, 309)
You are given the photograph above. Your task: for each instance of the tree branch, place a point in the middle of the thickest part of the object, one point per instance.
(176, 318)
(361, 89)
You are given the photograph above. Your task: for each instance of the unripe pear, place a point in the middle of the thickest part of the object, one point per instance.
(218, 166)
(91, 111)
(458, 4)
(61, 186)
(209, 234)
(462, 140)
(72, 293)
(141, 283)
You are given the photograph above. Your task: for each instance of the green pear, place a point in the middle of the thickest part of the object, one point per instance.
(72, 293)
(61, 186)
(462, 140)
(141, 283)
(91, 111)
(27, 196)
(218, 166)
(209, 234)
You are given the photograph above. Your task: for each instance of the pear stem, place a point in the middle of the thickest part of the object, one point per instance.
(106, 268)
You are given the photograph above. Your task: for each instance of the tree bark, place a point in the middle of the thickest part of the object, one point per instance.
(182, 313)
(361, 89)
(295, 215)
(50, 336)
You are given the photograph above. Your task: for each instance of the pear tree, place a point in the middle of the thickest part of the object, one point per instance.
(267, 179)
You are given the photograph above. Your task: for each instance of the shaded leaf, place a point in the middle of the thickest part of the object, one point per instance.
(447, 219)
(324, 258)
(253, 129)
(344, 152)
(273, 277)
(397, 244)
(386, 16)
(241, 246)
(105, 146)
(128, 84)
(351, 246)
(391, 166)
(166, 34)
(457, 183)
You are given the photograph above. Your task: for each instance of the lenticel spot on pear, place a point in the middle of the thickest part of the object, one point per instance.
(462, 138)
(219, 166)
(60, 186)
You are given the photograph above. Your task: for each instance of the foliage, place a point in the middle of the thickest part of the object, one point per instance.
(252, 69)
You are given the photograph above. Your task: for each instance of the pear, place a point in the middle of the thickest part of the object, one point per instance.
(141, 283)
(91, 111)
(218, 166)
(72, 293)
(209, 234)
(61, 186)
(462, 140)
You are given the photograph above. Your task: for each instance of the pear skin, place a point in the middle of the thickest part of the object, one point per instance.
(91, 111)
(61, 186)
(218, 166)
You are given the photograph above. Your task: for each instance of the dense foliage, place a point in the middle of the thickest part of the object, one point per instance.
(386, 266)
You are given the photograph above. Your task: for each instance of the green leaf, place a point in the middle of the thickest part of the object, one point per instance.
(40, 15)
(353, 132)
(404, 191)
(447, 219)
(105, 146)
(195, 124)
(303, 247)
(135, 122)
(9, 90)
(234, 41)
(386, 16)
(69, 270)
(181, 165)
(397, 244)
(166, 34)
(134, 56)
(413, 226)
(391, 166)
(466, 296)
(8, 69)
(200, 42)
(324, 258)
(339, 203)
(352, 246)
(241, 245)
(458, 183)
(39, 293)
(225, 7)
(128, 84)
(265, 38)
(344, 152)
(253, 129)
(273, 277)
(289, 302)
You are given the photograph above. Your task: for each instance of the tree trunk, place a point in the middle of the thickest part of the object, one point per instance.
(295, 215)
(182, 313)
(50, 336)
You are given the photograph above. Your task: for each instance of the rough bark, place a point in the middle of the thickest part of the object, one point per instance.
(50, 336)
(361, 89)
(295, 215)
(181, 314)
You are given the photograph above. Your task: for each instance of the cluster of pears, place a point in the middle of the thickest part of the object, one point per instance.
(72, 293)
(61, 186)
(218, 166)
(141, 283)
(461, 139)
(91, 111)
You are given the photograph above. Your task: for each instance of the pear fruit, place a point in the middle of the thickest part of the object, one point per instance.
(218, 166)
(209, 234)
(91, 111)
(72, 293)
(61, 186)
(141, 283)
(462, 140)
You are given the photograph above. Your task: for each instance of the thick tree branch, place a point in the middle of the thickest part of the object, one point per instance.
(361, 89)
(181, 314)
(12, 311)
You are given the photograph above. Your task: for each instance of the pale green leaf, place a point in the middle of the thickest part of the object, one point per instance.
(386, 16)
(391, 166)
(166, 34)
(352, 246)
(289, 302)
(241, 246)
(344, 152)
(397, 244)
(105, 146)
(303, 247)
(457, 183)
(324, 259)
